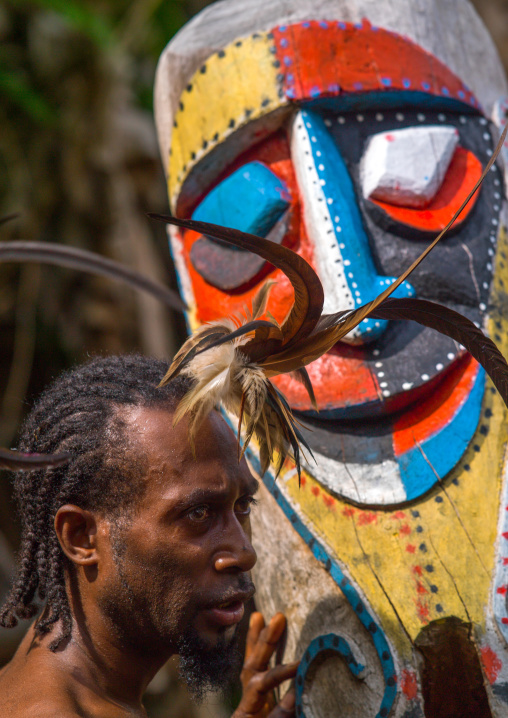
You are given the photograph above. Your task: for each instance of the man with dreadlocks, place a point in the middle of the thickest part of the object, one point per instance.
(136, 549)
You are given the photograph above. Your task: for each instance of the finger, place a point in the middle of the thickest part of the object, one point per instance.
(256, 625)
(260, 685)
(286, 707)
(275, 676)
(266, 644)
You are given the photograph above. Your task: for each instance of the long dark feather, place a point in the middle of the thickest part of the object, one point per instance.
(279, 415)
(80, 259)
(303, 377)
(308, 290)
(252, 326)
(454, 325)
(8, 218)
(187, 352)
(294, 437)
(327, 321)
(17, 461)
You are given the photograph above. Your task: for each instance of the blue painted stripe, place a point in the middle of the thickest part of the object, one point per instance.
(445, 448)
(323, 644)
(357, 604)
(360, 273)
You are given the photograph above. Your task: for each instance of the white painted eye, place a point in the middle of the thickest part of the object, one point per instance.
(406, 167)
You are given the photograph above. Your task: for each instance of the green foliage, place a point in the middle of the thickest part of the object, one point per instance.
(80, 15)
(135, 30)
(75, 75)
(15, 89)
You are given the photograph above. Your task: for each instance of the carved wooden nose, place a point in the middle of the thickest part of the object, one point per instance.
(334, 225)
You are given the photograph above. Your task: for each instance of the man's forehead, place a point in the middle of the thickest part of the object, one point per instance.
(169, 452)
(153, 428)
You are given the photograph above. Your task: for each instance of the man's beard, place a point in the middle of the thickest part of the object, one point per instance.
(206, 668)
(203, 667)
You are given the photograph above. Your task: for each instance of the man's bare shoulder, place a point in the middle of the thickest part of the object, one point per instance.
(37, 708)
(44, 709)
(42, 684)
(20, 697)
(39, 695)
(43, 703)
(51, 707)
(32, 690)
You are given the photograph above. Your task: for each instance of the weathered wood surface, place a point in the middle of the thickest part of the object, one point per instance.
(435, 26)
(391, 558)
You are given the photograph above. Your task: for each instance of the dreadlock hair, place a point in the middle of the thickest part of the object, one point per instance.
(80, 413)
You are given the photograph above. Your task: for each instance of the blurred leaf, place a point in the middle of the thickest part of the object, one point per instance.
(14, 86)
(167, 19)
(80, 16)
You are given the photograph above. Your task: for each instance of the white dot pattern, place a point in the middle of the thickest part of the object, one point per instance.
(339, 262)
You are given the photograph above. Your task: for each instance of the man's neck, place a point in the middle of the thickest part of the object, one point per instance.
(112, 665)
(92, 670)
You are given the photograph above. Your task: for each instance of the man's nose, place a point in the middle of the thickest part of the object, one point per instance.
(236, 553)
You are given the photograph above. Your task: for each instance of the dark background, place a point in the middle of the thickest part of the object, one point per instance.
(79, 163)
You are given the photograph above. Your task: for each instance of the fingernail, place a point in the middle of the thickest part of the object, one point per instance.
(289, 700)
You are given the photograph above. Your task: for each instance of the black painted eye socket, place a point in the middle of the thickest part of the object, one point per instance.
(447, 273)
(352, 132)
(252, 199)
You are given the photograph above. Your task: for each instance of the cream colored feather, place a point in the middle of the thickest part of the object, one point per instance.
(223, 375)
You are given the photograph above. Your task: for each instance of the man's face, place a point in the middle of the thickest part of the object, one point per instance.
(179, 574)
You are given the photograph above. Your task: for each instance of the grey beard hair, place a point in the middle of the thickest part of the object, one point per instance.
(203, 668)
(207, 669)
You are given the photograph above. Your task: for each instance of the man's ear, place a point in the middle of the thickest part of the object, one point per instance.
(77, 532)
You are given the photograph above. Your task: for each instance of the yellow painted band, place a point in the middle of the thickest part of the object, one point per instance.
(234, 86)
(436, 557)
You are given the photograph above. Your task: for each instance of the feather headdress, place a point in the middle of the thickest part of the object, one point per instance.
(232, 361)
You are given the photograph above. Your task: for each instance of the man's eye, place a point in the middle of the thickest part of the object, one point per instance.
(199, 514)
(245, 504)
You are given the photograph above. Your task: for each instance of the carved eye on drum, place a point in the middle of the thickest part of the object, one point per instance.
(419, 176)
(253, 200)
(407, 167)
(413, 169)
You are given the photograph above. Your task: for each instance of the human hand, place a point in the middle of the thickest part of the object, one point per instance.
(259, 681)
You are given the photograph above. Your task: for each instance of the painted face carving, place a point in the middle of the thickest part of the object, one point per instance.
(298, 155)
(354, 145)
